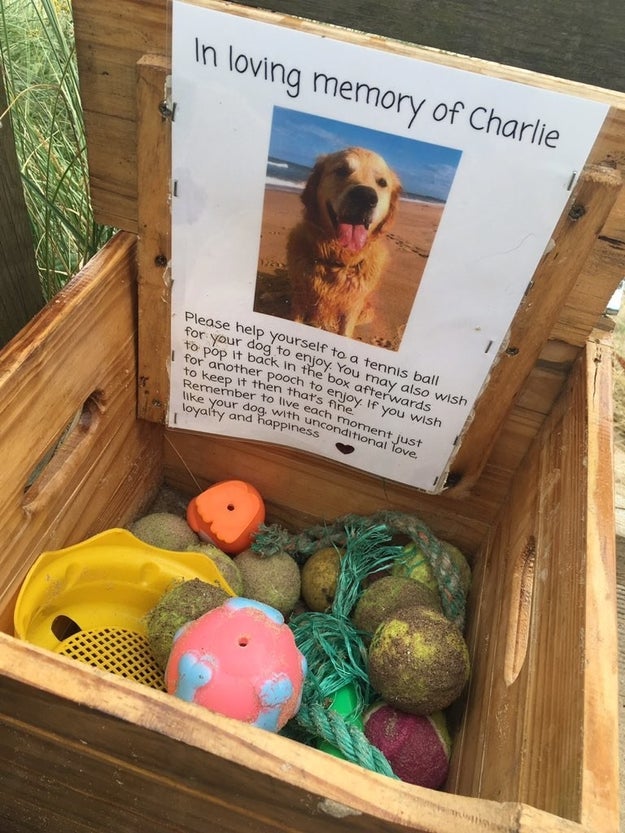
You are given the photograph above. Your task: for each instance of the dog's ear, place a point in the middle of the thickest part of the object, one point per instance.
(309, 194)
(395, 195)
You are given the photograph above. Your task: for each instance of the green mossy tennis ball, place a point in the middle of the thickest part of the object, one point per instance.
(164, 530)
(273, 580)
(224, 564)
(182, 603)
(418, 660)
(319, 577)
(415, 564)
(388, 594)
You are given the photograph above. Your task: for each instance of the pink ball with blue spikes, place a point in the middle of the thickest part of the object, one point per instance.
(239, 660)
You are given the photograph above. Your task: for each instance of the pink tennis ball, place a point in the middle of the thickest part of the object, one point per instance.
(416, 746)
(239, 660)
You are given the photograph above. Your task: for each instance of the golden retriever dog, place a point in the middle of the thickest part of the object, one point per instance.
(336, 255)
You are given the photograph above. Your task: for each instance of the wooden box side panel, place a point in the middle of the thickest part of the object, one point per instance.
(74, 365)
(542, 623)
(94, 754)
(303, 489)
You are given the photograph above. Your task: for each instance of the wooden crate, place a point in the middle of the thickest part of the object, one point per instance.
(536, 746)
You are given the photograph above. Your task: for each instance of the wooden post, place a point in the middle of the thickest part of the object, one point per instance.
(154, 247)
(20, 290)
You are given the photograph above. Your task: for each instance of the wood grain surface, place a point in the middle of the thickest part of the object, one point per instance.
(74, 365)
(575, 40)
(124, 758)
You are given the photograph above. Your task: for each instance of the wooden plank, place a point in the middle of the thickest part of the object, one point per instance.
(109, 45)
(533, 724)
(116, 199)
(603, 270)
(589, 43)
(301, 489)
(154, 246)
(137, 759)
(21, 295)
(601, 755)
(79, 349)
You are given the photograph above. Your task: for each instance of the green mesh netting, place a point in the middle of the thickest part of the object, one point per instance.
(335, 651)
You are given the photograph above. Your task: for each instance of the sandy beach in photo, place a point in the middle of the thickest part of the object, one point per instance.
(409, 242)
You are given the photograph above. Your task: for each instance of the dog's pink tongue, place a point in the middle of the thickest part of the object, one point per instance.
(352, 237)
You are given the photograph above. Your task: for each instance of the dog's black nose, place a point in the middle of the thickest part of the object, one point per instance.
(363, 196)
(358, 204)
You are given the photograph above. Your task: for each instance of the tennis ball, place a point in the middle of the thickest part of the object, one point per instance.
(415, 564)
(416, 746)
(273, 580)
(224, 564)
(319, 577)
(418, 660)
(164, 530)
(182, 603)
(387, 594)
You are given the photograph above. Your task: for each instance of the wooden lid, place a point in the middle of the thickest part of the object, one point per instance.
(566, 300)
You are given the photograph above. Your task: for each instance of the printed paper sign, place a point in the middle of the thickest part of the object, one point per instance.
(353, 231)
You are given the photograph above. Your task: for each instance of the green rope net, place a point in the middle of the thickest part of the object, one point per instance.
(447, 572)
(336, 652)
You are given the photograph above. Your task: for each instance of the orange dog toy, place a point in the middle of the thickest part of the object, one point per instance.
(227, 515)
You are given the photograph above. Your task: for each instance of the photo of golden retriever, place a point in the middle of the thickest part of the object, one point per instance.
(349, 218)
(337, 253)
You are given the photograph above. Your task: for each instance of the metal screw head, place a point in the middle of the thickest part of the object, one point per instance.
(577, 212)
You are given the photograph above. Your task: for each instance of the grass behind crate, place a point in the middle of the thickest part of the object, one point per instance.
(39, 62)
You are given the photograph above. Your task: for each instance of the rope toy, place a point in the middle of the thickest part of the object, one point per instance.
(335, 650)
(273, 538)
(337, 654)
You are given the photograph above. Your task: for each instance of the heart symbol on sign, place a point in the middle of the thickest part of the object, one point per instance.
(345, 449)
